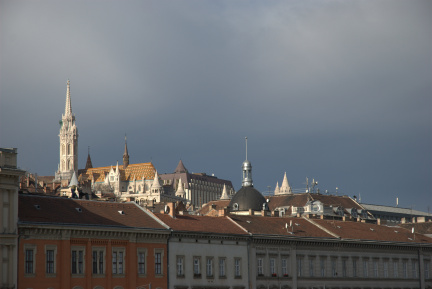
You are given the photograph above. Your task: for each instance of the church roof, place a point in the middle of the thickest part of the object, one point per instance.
(133, 171)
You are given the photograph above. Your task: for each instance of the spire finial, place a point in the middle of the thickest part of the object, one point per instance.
(246, 146)
(125, 155)
(68, 107)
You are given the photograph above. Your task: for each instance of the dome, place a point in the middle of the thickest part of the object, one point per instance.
(247, 198)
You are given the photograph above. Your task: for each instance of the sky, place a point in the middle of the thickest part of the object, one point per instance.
(339, 92)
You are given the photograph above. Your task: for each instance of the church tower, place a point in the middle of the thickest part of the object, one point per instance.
(68, 142)
(125, 156)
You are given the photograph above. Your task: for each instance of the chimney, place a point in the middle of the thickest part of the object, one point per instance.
(171, 207)
(403, 220)
(275, 213)
(343, 219)
(251, 212)
(223, 212)
(322, 217)
(298, 215)
(358, 219)
(378, 221)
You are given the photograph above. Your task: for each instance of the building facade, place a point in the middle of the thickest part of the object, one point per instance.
(198, 188)
(9, 185)
(68, 243)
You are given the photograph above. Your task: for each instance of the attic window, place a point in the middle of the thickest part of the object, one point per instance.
(121, 212)
(79, 210)
(37, 207)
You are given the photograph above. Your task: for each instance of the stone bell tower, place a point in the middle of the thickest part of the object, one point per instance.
(68, 142)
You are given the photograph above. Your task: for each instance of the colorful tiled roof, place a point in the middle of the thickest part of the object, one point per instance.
(133, 171)
(55, 210)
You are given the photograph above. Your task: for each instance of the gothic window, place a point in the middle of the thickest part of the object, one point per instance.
(63, 149)
(68, 149)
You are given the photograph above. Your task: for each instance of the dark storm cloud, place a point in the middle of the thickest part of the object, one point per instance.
(336, 90)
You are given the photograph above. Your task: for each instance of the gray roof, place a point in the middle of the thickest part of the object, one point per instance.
(248, 198)
(394, 210)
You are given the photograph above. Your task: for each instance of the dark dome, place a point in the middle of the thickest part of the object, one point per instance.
(247, 198)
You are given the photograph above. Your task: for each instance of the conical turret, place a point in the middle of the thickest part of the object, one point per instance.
(224, 195)
(285, 187)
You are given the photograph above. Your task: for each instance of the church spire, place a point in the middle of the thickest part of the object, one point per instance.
(224, 195)
(285, 187)
(68, 106)
(247, 171)
(89, 164)
(125, 155)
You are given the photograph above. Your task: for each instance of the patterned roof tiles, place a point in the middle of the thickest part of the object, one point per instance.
(133, 171)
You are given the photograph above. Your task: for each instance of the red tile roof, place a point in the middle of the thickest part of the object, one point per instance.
(192, 223)
(55, 210)
(367, 231)
(277, 226)
(212, 206)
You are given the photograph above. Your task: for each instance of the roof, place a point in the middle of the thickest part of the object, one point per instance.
(205, 224)
(247, 198)
(300, 200)
(367, 231)
(55, 210)
(133, 171)
(209, 207)
(394, 210)
(301, 227)
(180, 168)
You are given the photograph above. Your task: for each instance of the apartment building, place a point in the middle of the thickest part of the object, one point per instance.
(69, 243)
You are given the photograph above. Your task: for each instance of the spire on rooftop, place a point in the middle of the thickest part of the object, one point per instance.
(247, 171)
(180, 168)
(89, 164)
(224, 195)
(125, 155)
(277, 191)
(285, 187)
(68, 106)
(180, 191)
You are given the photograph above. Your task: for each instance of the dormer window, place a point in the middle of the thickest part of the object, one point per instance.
(235, 207)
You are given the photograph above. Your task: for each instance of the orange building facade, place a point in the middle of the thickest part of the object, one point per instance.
(110, 251)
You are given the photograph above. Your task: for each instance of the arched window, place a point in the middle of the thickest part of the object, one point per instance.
(68, 149)
(63, 149)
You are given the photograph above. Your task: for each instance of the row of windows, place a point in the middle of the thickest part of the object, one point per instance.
(210, 269)
(354, 267)
(98, 260)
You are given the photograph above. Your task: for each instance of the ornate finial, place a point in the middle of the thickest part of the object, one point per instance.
(246, 146)
(68, 107)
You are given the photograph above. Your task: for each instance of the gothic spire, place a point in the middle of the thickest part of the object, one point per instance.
(89, 164)
(224, 195)
(68, 106)
(125, 155)
(285, 187)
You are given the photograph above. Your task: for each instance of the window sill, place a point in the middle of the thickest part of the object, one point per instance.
(78, 275)
(210, 277)
(222, 277)
(118, 275)
(98, 275)
(159, 276)
(50, 275)
(32, 275)
(180, 276)
(237, 277)
(197, 276)
(142, 275)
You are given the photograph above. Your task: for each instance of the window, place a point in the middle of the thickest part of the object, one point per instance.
(333, 267)
(395, 269)
(180, 266)
(426, 269)
(77, 260)
(118, 261)
(311, 267)
(29, 261)
(209, 267)
(260, 270)
(49, 260)
(222, 267)
(354, 268)
(158, 261)
(299, 267)
(386, 273)
(98, 261)
(344, 268)
(197, 266)
(414, 269)
(365, 268)
(322, 267)
(284, 267)
(405, 269)
(273, 267)
(142, 256)
(375, 268)
(237, 268)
